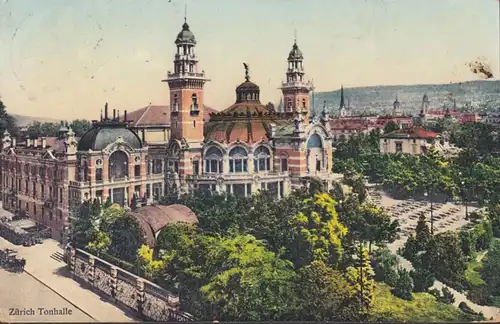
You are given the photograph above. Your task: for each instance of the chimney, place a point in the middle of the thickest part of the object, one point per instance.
(125, 116)
(28, 142)
(118, 115)
(114, 114)
(44, 142)
(35, 142)
(272, 130)
(106, 111)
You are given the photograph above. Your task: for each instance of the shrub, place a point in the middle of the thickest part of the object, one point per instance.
(448, 297)
(404, 285)
(422, 280)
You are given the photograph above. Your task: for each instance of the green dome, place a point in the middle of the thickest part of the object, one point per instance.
(295, 53)
(185, 36)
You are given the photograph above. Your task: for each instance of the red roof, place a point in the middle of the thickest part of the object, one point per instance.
(415, 132)
(153, 115)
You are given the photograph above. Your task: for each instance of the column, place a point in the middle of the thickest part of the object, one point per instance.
(72, 261)
(90, 276)
(111, 195)
(140, 295)
(113, 282)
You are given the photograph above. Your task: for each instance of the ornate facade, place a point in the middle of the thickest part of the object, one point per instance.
(246, 147)
(45, 178)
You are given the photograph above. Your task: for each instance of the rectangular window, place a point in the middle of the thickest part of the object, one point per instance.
(42, 191)
(148, 191)
(249, 189)
(98, 174)
(281, 189)
(196, 167)
(137, 171)
(60, 195)
(228, 189)
(399, 147)
(284, 164)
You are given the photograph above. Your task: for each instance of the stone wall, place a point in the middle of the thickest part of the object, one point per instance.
(125, 289)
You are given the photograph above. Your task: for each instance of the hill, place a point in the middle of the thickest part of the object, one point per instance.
(481, 95)
(26, 120)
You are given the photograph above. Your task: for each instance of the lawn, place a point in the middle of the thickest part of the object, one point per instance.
(423, 308)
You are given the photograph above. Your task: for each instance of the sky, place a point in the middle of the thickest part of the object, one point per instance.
(65, 58)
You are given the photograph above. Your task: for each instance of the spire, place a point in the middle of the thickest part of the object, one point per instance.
(247, 72)
(185, 13)
(295, 36)
(454, 104)
(342, 101)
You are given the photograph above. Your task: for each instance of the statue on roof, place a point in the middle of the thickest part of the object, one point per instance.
(247, 69)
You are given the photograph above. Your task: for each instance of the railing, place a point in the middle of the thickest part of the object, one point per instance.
(186, 74)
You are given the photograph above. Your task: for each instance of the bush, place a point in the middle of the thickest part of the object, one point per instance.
(448, 297)
(422, 280)
(404, 285)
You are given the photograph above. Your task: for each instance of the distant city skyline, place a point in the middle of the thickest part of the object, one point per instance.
(65, 59)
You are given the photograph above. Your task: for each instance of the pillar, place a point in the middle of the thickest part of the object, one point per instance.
(90, 276)
(72, 261)
(113, 282)
(140, 295)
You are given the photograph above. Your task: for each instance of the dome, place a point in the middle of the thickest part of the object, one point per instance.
(101, 135)
(152, 219)
(185, 36)
(247, 85)
(295, 53)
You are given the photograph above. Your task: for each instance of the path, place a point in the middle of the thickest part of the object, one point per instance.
(44, 262)
(20, 291)
(403, 211)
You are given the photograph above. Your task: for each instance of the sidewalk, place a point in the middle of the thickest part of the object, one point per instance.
(44, 263)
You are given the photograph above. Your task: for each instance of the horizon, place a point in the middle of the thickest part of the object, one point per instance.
(122, 57)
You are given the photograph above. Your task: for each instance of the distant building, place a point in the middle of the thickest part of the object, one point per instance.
(491, 119)
(413, 141)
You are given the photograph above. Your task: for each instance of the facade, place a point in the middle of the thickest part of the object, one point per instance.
(45, 178)
(491, 119)
(413, 141)
(246, 147)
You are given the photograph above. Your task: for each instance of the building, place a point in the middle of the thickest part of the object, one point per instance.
(413, 141)
(246, 147)
(491, 119)
(45, 178)
(152, 123)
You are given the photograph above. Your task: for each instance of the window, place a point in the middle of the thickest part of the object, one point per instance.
(196, 167)
(26, 187)
(304, 104)
(137, 171)
(399, 147)
(213, 160)
(98, 174)
(175, 103)
(238, 160)
(42, 191)
(157, 166)
(60, 195)
(289, 104)
(194, 102)
(262, 159)
(284, 163)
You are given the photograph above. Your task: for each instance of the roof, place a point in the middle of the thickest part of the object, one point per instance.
(295, 53)
(415, 132)
(155, 115)
(185, 35)
(104, 133)
(154, 218)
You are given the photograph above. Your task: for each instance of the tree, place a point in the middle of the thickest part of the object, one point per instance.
(491, 264)
(404, 285)
(384, 265)
(100, 243)
(391, 127)
(423, 279)
(126, 237)
(373, 225)
(84, 223)
(151, 268)
(80, 126)
(361, 278)
(7, 122)
(318, 233)
(323, 294)
(251, 283)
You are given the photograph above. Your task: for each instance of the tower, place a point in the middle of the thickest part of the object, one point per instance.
(186, 89)
(396, 107)
(343, 108)
(425, 104)
(295, 89)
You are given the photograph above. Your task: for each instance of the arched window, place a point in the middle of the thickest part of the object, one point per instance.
(289, 103)
(284, 162)
(262, 159)
(194, 102)
(213, 160)
(118, 165)
(304, 104)
(238, 160)
(175, 103)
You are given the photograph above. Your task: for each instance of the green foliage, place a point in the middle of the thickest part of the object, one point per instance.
(100, 243)
(423, 279)
(404, 285)
(361, 277)
(325, 295)
(80, 126)
(384, 265)
(491, 264)
(84, 223)
(391, 127)
(422, 308)
(7, 122)
(318, 232)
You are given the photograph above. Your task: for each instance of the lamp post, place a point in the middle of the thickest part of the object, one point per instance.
(432, 216)
(464, 200)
